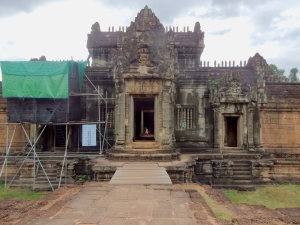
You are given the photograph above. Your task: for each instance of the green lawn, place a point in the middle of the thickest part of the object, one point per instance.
(279, 196)
(23, 193)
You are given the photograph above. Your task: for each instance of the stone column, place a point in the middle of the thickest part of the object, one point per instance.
(257, 130)
(217, 128)
(250, 128)
(156, 119)
(131, 119)
(121, 119)
(167, 117)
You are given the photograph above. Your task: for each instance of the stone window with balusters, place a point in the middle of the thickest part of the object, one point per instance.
(185, 118)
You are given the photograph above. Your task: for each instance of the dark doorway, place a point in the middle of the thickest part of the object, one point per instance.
(144, 117)
(230, 131)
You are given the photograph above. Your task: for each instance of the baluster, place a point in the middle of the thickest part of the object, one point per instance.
(191, 118)
(178, 118)
(188, 118)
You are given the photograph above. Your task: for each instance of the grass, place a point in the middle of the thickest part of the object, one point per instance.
(23, 193)
(219, 210)
(279, 196)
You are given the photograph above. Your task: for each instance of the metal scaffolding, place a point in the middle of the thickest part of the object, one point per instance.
(32, 152)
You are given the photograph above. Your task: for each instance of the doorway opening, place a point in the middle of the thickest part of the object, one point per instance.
(144, 118)
(231, 134)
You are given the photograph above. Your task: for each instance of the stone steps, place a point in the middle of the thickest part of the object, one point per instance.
(142, 151)
(241, 156)
(246, 171)
(241, 168)
(41, 183)
(144, 145)
(133, 156)
(241, 176)
(235, 150)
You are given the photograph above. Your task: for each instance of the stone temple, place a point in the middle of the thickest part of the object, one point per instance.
(230, 124)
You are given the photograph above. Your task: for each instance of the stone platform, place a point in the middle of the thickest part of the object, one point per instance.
(179, 171)
(142, 150)
(241, 171)
(141, 174)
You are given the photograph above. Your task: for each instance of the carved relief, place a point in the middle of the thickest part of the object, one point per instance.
(261, 90)
(144, 86)
(144, 51)
(230, 88)
(234, 90)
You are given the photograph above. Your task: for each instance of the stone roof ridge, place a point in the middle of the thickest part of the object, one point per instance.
(145, 20)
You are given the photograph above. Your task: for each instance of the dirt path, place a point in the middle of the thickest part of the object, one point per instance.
(206, 205)
(216, 204)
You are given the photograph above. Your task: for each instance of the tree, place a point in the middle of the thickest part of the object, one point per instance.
(279, 73)
(293, 75)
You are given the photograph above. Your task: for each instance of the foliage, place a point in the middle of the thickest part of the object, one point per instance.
(215, 83)
(23, 193)
(281, 196)
(278, 73)
(82, 179)
(293, 75)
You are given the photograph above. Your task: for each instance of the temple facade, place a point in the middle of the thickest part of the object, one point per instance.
(152, 98)
(159, 84)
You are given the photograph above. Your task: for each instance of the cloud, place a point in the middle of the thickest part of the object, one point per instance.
(166, 10)
(220, 32)
(10, 8)
(7, 45)
(9, 42)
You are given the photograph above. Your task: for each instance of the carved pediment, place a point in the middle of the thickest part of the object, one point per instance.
(260, 66)
(143, 51)
(146, 21)
(230, 88)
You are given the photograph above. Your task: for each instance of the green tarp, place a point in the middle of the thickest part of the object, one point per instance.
(38, 79)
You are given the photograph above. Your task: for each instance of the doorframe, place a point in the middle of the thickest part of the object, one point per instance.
(131, 120)
(239, 130)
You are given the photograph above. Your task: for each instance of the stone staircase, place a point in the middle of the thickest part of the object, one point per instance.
(242, 175)
(25, 177)
(237, 175)
(232, 150)
(234, 171)
(142, 151)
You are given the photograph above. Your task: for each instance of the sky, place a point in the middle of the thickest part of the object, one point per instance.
(234, 29)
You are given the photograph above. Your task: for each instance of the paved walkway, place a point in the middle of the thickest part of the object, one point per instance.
(140, 174)
(130, 205)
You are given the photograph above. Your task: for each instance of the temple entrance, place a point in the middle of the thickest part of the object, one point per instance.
(231, 131)
(144, 119)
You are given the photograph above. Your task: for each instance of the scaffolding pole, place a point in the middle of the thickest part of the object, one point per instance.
(102, 137)
(34, 152)
(27, 154)
(7, 151)
(99, 114)
(65, 156)
(106, 117)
